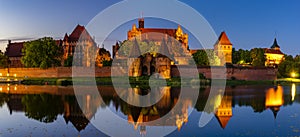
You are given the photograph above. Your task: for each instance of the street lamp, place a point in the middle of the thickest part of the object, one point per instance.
(293, 74)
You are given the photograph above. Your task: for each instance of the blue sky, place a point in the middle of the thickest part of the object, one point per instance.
(248, 23)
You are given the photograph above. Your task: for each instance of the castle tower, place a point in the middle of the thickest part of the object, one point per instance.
(115, 49)
(141, 23)
(224, 111)
(163, 61)
(223, 49)
(134, 61)
(273, 55)
(182, 37)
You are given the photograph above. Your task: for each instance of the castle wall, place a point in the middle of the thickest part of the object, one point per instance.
(250, 73)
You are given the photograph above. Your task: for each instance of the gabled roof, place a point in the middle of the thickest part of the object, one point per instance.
(275, 44)
(135, 50)
(79, 32)
(66, 38)
(223, 39)
(14, 49)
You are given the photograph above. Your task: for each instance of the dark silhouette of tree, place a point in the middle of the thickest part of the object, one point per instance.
(3, 60)
(206, 58)
(258, 57)
(43, 107)
(42, 53)
(289, 65)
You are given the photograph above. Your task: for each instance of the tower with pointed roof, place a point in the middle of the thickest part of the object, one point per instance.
(273, 55)
(134, 60)
(223, 49)
(163, 61)
(85, 44)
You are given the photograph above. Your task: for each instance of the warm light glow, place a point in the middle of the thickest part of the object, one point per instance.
(15, 75)
(0, 88)
(293, 74)
(1, 74)
(293, 90)
(15, 88)
(274, 98)
(7, 74)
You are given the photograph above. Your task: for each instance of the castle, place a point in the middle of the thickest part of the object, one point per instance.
(85, 44)
(171, 49)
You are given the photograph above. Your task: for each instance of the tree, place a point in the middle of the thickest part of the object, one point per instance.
(241, 56)
(206, 58)
(258, 57)
(145, 47)
(3, 60)
(103, 58)
(43, 107)
(42, 53)
(68, 62)
(289, 65)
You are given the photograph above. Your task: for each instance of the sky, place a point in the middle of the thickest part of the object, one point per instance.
(248, 23)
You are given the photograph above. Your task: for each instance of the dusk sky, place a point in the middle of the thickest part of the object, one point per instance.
(248, 23)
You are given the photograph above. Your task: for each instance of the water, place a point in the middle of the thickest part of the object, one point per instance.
(55, 111)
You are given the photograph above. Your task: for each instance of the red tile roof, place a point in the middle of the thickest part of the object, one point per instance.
(193, 51)
(223, 39)
(273, 51)
(14, 49)
(78, 32)
(157, 34)
(170, 32)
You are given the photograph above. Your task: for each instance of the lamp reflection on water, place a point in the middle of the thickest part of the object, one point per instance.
(293, 91)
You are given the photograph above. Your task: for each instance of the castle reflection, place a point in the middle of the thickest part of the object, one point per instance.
(224, 111)
(274, 99)
(46, 103)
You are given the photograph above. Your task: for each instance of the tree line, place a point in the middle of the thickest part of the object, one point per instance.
(45, 53)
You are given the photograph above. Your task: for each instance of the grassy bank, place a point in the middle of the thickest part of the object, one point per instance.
(140, 81)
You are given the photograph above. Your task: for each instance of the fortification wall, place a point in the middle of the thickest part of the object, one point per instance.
(249, 73)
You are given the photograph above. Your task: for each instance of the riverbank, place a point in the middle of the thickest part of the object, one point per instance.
(141, 81)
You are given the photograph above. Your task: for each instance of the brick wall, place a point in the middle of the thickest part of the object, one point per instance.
(216, 72)
(245, 73)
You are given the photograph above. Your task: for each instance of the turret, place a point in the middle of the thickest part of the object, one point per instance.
(134, 60)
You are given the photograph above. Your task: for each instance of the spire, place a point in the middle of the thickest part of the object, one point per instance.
(179, 31)
(275, 111)
(163, 49)
(66, 37)
(275, 44)
(135, 50)
(223, 39)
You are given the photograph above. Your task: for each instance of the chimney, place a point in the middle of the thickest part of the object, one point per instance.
(9, 42)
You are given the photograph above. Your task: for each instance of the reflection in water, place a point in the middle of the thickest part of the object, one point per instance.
(274, 99)
(224, 111)
(143, 117)
(46, 103)
(293, 91)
